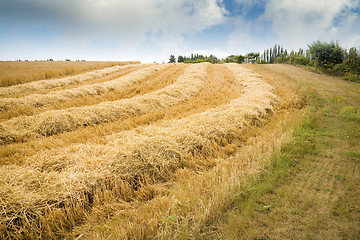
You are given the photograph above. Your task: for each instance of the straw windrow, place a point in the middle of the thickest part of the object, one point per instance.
(55, 189)
(40, 100)
(54, 122)
(54, 83)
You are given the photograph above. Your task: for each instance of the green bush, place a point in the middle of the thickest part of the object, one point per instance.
(341, 67)
(351, 78)
(301, 60)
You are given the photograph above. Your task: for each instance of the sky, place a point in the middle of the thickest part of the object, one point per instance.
(152, 30)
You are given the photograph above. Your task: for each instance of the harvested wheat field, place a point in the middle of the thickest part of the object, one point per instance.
(136, 151)
(14, 73)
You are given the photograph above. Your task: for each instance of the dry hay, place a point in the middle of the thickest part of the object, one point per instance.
(60, 82)
(55, 189)
(40, 100)
(54, 122)
(20, 72)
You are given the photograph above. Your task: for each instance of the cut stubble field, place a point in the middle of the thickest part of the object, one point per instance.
(138, 151)
(14, 73)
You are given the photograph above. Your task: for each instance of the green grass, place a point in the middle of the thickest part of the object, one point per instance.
(351, 78)
(353, 154)
(311, 189)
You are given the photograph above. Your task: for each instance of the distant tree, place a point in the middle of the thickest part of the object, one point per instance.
(230, 59)
(292, 56)
(301, 52)
(353, 61)
(234, 59)
(253, 57)
(282, 58)
(326, 54)
(197, 58)
(275, 51)
(301, 60)
(180, 59)
(172, 59)
(212, 58)
(264, 57)
(240, 58)
(279, 51)
(346, 55)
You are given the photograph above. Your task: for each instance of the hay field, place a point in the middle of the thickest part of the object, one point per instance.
(14, 73)
(78, 152)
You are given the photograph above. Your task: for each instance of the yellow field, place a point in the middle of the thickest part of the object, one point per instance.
(13, 73)
(121, 152)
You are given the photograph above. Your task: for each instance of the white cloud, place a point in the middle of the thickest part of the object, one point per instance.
(347, 29)
(249, 36)
(154, 29)
(296, 23)
(127, 23)
(299, 22)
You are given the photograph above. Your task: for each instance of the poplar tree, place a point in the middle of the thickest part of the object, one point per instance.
(353, 61)
(172, 59)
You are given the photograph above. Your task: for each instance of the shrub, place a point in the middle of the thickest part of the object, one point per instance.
(341, 67)
(301, 60)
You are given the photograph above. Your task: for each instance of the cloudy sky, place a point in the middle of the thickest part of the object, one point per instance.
(151, 30)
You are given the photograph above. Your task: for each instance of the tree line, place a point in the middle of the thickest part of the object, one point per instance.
(324, 55)
(194, 58)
